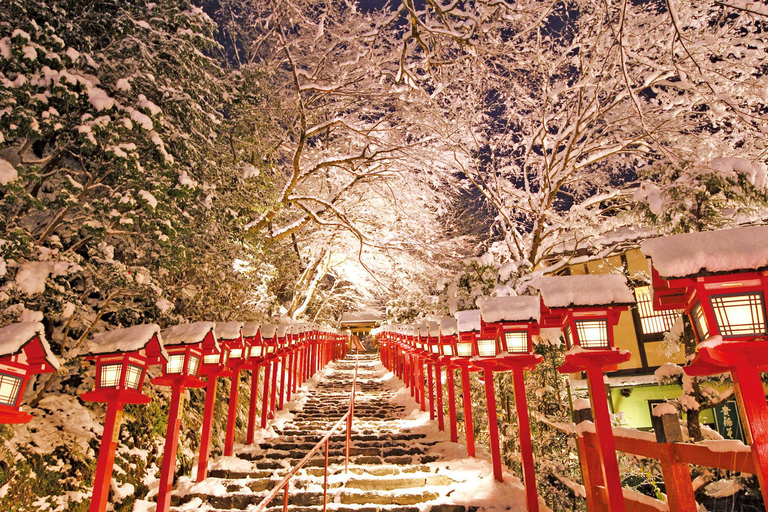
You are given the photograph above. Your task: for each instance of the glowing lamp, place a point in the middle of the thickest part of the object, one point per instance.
(24, 352)
(468, 323)
(448, 333)
(511, 321)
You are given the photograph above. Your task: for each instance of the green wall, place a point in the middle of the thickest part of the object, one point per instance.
(635, 407)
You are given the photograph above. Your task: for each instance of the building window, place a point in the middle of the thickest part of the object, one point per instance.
(652, 321)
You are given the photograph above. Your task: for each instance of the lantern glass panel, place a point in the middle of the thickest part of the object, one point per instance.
(568, 336)
(739, 315)
(464, 349)
(10, 385)
(516, 341)
(212, 359)
(697, 315)
(193, 365)
(447, 350)
(434, 348)
(110, 375)
(270, 349)
(486, 347)
(236, 353)
(175, 363)
(133, 376)
(592, 333)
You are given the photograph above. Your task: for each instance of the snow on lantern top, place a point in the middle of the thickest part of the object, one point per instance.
(268, 331)
(468, 321)
(251, 329)
(131, 339)
(589, 290)
(229, 330)
(191, 334)
(523, 308)
(724, 251)
(283, 329)
(15, 338)
(449, 326)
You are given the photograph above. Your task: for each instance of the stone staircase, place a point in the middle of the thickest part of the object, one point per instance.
(391, 468)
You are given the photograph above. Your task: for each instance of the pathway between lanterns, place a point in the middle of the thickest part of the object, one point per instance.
(399, 461)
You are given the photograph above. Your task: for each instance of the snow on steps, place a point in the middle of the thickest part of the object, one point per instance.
(395, 463)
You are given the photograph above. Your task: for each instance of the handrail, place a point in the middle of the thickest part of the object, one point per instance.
(284, 485)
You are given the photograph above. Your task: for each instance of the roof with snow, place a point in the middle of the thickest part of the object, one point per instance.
(692, 254)
(361, 317)
(228, 330)
(14, 337)
(523, 308)
(268, 331)
(130, 339)
(449, 326)
(283, 329)
(589, 290)
(251, 329)
(468, 321)
(189, 334)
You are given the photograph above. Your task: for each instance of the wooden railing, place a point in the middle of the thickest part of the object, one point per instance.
(284, 485)
(674, 458)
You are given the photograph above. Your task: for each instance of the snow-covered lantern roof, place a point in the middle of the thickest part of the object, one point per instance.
(468, 324)
(282, 331)
(122, 357)
(718, 278)
(186, 345)
(449, 331)
(269, 338)
(422, 336)
(586, 308)
(24, 352)
(433, 337)
(252, 339)
(230, 336)
(508, 324)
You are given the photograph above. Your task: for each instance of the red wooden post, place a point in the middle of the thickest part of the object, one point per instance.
(677, 481)
(289, 385)
(273, 397)
(469, 426)
(265, 394)
(451, 403)
(422, 390)
(591, 473)
(251, 430)
(493, 422)
(439, 382)
(169, 454)
(750, 396)
(605, 444)
(431, 390)
(106, 461)
(526, 447)
(234, 391)
(205, 437)
(282, 381)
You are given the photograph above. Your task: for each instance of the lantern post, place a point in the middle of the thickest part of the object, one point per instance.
(468, 323)
(428, 365)
(512, 322)
(448, 334)
(214, 365)
(122, 358)
(185, 345)
(433, 329)
(230, 336)
(720, 279)
(24, 352)
(587, 308)
(252, 338)
(269, 340)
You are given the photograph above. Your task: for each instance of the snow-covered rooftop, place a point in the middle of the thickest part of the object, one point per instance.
(228, 330)
(251, 329)
(523, 308)
(187, 334)
(283, 329)
(13, 338)
(268, 331)
(130, 339)
(468, 321)
(449, 326)
(589, 290)
(689, 254)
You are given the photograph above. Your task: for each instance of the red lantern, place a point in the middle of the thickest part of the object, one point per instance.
(252, 339)
(214, 365)
(185, 344)
(468, 323)
(122, 358)
(720, 280)
(230, 336)
(269, 340)
(24, 352)
(587, 308)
